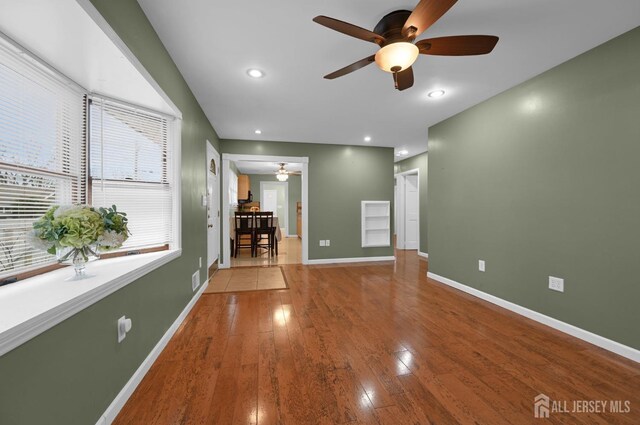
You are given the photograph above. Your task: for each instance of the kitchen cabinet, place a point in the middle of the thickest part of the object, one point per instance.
(244, 185)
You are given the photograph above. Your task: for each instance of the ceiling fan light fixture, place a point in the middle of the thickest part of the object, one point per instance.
(282, 175)
(401, 54)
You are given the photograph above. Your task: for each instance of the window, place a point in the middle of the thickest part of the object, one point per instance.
(59, 147)
(130, 166)
(42, 153)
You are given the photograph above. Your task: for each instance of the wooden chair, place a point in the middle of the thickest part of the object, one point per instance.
(244, 226)
(265, 231)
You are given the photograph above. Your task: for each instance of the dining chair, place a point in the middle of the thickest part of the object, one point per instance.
(244, 225)
(265, 231)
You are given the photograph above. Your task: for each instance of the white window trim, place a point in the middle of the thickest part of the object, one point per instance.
(31, 306)
(34, 305)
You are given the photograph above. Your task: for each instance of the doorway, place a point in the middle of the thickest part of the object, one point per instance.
(408, 210)
(213, 209)
(249, 169)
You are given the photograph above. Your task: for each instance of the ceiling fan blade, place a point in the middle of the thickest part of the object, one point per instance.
(404, 79)
(426, 13)
(350, 68)
(458, 45)
(349, 29)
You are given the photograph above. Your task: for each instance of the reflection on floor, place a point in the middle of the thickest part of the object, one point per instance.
(289, 252)
(247, 279)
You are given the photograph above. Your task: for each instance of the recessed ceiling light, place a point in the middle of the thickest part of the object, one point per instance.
(367, 138)
(255, 73)
(258, 131)
(436, 93)
(403, 152)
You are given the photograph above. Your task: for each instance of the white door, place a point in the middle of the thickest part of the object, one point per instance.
(269, 201)
(213, 205)
(411, 199)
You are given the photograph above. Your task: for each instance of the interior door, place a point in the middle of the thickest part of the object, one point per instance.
(213, 205)
(411, 197)
(269, 201)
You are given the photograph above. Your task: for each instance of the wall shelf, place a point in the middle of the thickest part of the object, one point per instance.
(375, 224)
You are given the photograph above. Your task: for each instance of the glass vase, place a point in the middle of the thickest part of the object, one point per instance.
(78, 257)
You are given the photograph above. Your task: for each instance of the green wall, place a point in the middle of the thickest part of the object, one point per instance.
(339, 178)
(71, 373)
(419, 162)
(542, 180)
(295, 194)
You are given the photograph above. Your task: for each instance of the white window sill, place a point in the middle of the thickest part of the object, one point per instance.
(31, 306)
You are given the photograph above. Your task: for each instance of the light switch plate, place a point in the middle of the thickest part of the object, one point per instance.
(327, 243)
(481, 265)
(323, 242)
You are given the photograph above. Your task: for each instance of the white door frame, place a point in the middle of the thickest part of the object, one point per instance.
(216, 156)
(226, 170)
(286, 207)
(400, 204)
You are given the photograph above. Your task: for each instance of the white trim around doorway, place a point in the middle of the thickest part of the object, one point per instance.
(227, 158)
(399, 207)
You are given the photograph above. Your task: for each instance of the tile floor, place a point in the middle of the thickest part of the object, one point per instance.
(247, 279)
(289, 252)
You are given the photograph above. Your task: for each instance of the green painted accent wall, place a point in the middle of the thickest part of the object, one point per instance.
(295, 194)
(543, 180)
(72, 372)
(419, 162)
(339, 178)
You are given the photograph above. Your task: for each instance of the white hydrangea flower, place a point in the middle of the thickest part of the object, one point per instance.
(111, 239)
(63, 209)
(34, 241)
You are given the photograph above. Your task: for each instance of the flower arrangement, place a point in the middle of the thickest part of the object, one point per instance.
(76, 232)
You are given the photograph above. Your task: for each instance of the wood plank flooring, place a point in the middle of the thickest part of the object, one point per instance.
(372, 344)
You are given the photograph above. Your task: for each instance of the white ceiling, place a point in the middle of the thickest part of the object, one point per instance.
(62, 34)
(214, 43)
(261, 167)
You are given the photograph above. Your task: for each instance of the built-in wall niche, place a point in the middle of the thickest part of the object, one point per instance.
(376, 219)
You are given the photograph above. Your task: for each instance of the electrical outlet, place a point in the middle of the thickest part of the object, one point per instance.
(556, 284)
(195, 280)
(200, 262)
(323, 242)
(327, 243)
(481, 265)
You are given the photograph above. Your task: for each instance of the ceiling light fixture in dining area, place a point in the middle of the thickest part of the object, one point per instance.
(282, 174)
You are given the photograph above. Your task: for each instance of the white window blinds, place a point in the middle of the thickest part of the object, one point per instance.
(42, 153)
(130, 166)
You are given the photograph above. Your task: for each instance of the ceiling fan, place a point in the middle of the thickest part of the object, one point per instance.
(395, 34)
(282, 174)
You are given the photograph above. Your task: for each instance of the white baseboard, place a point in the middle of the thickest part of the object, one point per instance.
(118, 403)
(423, 254)
(351, 260)
(600, 341)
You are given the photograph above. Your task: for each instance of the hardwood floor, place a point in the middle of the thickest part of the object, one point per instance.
(372, 344)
